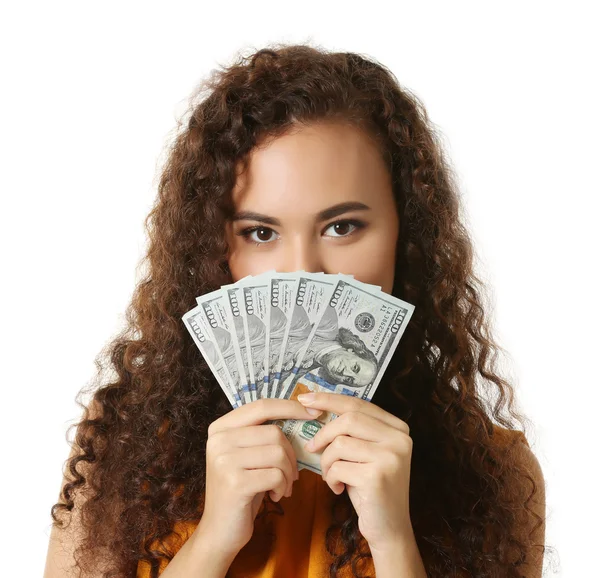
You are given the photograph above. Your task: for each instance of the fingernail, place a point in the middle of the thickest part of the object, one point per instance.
(307, 397)
(313, 411)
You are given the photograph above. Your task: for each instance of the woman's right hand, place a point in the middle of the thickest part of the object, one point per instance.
(244, 459)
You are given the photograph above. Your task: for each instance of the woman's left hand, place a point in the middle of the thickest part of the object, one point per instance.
(368, 450)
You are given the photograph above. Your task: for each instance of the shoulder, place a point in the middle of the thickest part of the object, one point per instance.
(520, 451)
(529, 493)
(521, 457)
(525, 456)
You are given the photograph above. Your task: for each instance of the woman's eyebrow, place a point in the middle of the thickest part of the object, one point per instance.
(324, 215)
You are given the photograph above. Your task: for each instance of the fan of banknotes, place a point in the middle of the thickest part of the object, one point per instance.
(283, 334)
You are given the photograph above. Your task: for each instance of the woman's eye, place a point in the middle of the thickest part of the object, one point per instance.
(345, 228)
(257, 235)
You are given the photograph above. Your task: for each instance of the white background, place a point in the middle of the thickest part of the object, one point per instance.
(90, 94)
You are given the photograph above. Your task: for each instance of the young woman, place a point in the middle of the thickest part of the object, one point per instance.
(300, 159)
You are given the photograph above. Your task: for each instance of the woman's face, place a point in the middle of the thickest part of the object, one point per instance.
(318, 199)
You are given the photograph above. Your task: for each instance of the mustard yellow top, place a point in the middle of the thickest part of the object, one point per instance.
(299, 548)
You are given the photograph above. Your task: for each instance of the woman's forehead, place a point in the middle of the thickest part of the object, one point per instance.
(319, 166)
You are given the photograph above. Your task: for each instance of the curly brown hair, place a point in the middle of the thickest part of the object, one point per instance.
(140, 445)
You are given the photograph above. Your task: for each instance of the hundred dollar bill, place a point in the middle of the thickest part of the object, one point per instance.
(312, 296)
(199, 328)
(282, 292)
(255, 315)
(215, 308)
(235, 312)
(347, 353)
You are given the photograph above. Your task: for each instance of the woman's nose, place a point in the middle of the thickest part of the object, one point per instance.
(303, 255)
